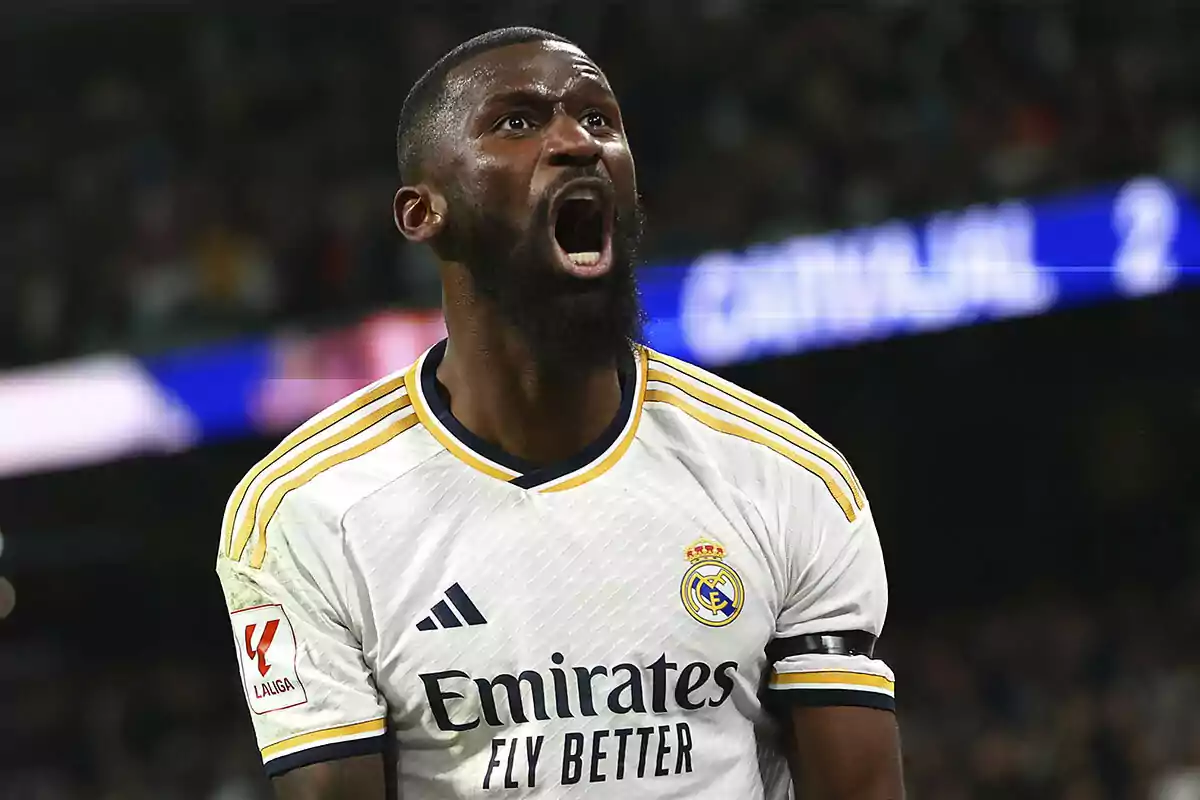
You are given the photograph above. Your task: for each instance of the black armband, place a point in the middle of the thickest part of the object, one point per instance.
(834, 643)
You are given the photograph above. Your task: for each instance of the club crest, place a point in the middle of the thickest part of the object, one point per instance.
(711, 590)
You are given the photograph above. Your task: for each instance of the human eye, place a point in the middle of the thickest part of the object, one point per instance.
(597, 119)
(516, 122)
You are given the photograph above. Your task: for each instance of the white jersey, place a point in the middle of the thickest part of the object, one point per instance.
(616, 626)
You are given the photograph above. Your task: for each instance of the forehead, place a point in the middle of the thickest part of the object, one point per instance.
(543, 67)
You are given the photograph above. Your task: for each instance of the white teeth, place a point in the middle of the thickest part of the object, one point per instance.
(587, 259)
(586, 193)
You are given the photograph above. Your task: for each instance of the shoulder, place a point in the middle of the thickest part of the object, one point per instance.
(748, 431)
(322, 468)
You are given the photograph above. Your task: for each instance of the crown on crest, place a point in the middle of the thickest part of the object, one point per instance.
(703, 550)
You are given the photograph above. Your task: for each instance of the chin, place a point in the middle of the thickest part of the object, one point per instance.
(571, 320)
(586, 328)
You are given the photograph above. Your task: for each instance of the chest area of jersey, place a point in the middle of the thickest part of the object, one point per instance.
(627, 573)
(625, 603)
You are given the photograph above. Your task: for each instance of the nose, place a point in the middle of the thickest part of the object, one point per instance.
(569, 144)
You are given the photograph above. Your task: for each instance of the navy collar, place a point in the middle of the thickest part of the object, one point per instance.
(528, 475)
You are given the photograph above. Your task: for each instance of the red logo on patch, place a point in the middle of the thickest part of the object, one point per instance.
(266, 652)
(264, 644)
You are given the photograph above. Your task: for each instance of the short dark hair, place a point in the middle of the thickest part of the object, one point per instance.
(414, 131)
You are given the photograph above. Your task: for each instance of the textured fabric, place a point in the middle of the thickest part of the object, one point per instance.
(599, 632)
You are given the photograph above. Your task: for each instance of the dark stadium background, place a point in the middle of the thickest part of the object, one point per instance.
(1035, 481)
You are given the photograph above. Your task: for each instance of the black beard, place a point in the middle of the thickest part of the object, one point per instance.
(569, 324)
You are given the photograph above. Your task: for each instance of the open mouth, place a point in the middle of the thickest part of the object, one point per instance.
(582, 232)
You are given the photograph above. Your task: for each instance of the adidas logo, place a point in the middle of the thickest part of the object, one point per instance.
(445, 618)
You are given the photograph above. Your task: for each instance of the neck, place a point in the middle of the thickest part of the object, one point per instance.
(499, 391)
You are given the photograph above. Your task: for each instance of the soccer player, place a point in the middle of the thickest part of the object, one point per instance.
(544, 560)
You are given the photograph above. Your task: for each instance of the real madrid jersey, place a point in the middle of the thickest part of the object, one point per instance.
(626, 624)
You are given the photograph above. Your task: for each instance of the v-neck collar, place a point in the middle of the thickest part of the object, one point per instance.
(432, 408)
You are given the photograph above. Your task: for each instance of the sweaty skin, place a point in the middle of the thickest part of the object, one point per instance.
(502, 389)
(499, 389)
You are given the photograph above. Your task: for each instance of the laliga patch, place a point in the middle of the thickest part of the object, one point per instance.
(266, 646)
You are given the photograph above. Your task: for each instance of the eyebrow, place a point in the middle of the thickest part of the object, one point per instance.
(515, 97)
(526, 96)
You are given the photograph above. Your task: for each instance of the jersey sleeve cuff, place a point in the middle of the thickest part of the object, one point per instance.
(832, 688)
(329, 744)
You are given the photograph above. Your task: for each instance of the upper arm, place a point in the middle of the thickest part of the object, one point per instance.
(846, 753)
(344, 779)
(836, 698)
(311, 695)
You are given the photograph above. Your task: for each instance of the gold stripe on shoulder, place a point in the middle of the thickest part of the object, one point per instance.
(777, 412)
(263, 519)
(619, 451)
(722, 426)
(316, 737)
(767, 407)
(313, 427)
(783, 432)
(413, 380)
(316, 445)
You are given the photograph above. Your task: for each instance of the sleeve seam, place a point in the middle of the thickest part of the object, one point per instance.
(382, 719)
(331, 751)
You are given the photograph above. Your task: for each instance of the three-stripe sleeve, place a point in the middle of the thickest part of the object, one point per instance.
(837, 595)
(836, 586)
(296, 637)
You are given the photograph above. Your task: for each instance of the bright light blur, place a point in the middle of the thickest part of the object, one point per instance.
(8, 597)
(961, 240)
(86, 412)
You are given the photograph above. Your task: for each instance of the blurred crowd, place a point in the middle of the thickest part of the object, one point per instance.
(1054, 700)
(181, 174)
(1038, 700)
(162, 729)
